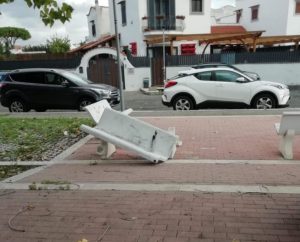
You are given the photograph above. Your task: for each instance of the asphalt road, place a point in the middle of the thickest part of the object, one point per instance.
(141, 102)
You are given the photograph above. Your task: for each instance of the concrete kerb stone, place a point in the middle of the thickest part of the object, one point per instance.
(164, 187)
(23, 175)
(169, 162)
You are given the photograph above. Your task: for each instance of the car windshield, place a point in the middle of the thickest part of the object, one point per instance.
(75, 78)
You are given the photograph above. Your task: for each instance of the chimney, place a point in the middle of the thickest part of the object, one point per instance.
(96, 2)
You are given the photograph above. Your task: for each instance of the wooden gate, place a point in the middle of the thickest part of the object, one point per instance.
(104, 71)
(157, 71)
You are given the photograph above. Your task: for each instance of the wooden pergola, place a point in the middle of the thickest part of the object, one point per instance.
(250, 39)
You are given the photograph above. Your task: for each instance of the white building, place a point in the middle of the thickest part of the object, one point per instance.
(98, 22)
(224, 15)
(138, 19)
(276, 17)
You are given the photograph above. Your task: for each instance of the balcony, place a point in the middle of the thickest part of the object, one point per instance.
(159, 23)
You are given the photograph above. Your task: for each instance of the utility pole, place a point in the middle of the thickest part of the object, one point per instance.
(164, 52)
(118, 58)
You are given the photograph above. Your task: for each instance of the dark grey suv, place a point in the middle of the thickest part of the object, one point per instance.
(42, 89)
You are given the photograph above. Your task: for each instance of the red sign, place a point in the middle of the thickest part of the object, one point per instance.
(188, 49)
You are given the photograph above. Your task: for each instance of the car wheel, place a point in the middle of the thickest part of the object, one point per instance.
(18, 105)
(264, 101)
(84, 102)
(183, 103)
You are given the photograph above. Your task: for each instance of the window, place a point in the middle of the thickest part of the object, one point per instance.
(29, 77)
(238, 15)
(123, 12)
(254, 12)
(161, 14)
(197, 6)
(203, 76)
(93, 28)
(297, 7)
(226, 76)
(53, 79)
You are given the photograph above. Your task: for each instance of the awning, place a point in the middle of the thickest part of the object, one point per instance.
(93, 44)
(236, 38)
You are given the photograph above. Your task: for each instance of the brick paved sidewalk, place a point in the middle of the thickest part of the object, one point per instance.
(167, 215)
(230, 174)
(216, 138)
(67, 216)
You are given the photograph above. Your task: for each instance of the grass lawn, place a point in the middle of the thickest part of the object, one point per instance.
(32, 138)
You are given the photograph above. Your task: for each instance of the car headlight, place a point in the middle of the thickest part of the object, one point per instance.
(104, 93)
(278, 86)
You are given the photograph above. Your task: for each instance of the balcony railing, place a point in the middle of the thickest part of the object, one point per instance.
(159, 23)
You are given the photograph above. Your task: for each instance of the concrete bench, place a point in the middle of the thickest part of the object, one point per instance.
(116, 128)
(288, 127)
(129, 133)
(95, 110)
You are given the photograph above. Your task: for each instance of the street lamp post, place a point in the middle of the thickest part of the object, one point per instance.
(164, 55)
(118, 57)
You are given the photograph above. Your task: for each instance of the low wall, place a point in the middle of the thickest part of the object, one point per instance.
(288, 74)
(134, 78)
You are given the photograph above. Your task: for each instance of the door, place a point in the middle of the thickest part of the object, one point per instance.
(203, 85)
(157, 72)
(104, 71)
(228, 89)
(56, 94)
(31, 85)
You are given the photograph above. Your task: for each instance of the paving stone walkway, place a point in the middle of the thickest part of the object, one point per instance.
(228, 183)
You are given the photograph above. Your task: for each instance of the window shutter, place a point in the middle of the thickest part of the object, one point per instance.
(254, 12)
(133, 48)
(297, 10)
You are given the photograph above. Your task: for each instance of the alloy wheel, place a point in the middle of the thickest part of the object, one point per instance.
(84, 103)
(17, 106)
(264, 103)
(183, 104)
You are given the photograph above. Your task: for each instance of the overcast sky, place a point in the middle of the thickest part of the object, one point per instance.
(17, 14)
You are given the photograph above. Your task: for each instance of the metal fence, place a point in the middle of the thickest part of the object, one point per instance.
(140, 61)
(40, 61)
(73, 61)
(259, 57)
(268, 57)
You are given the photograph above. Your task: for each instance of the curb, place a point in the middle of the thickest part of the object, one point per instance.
(147, 91)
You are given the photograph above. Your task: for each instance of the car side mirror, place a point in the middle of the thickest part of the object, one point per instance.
(65, 83)
(241, 79)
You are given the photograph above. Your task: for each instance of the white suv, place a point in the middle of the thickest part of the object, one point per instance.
(214, 86)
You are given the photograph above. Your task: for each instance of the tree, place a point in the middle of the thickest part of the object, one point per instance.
(58, 45)
(1, 49)
(50, 11)
(9, 36)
